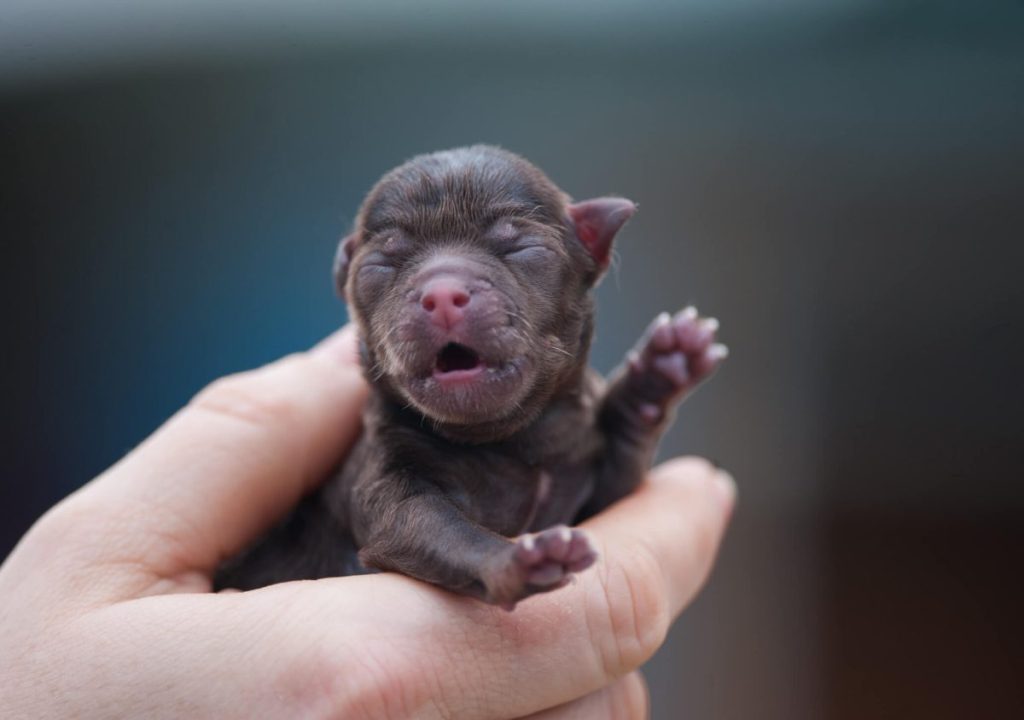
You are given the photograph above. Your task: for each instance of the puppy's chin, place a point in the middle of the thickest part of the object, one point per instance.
(468, 391)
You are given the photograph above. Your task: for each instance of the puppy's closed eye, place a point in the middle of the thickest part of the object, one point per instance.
(529, 252)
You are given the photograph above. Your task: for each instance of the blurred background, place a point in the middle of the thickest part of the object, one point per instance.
(841, 182)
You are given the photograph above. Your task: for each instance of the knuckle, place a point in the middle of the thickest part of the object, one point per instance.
(637, 611)
(66, 515)
(705, 539)
(634, 700)
(247, 397)
(703, 548)
(78, 523)
(64, 523)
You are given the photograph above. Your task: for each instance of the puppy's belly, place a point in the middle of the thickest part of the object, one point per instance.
(561, 493)
(536, 500)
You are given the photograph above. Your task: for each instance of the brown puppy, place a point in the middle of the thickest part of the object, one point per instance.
(469, 275)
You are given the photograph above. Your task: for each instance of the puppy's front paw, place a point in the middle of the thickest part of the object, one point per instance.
(539, 562)
(674, 355)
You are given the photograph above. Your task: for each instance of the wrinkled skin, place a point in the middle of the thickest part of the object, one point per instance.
(470, 277)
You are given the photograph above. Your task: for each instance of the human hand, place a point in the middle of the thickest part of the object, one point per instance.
(106, 607)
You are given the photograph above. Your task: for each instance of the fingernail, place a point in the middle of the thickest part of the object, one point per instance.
(725, 489)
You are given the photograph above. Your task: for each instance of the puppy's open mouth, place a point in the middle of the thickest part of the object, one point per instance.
(457, 361)
(468, 384)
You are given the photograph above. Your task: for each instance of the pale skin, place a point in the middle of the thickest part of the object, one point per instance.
(106, 608)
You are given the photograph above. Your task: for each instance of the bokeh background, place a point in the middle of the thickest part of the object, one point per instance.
(841, 182)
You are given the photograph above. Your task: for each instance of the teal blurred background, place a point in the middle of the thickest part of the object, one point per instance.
(840, 182)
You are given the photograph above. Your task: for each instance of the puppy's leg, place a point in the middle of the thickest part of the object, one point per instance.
(429, 538)
(672, 357)
(310, 543)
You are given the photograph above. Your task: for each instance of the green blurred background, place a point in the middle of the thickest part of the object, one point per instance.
(840, 182)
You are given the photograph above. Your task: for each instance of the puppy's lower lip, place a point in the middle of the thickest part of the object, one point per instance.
(459, 376)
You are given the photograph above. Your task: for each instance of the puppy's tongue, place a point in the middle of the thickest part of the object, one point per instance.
(455, 358)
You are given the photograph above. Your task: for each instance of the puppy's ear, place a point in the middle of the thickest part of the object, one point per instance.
(597, 221)
(342, 258)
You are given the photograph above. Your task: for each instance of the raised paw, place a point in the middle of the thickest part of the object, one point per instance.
(674, 354)
(539, 562)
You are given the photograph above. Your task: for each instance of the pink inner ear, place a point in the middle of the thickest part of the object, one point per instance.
(597, 221)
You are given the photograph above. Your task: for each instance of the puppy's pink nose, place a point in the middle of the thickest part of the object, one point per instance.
(444, 298)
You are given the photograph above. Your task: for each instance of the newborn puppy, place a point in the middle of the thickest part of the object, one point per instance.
(470, 277)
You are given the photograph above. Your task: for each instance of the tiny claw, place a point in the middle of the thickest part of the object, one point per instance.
(690, 312)
(718, 351)
(710, 324)
(662, 337)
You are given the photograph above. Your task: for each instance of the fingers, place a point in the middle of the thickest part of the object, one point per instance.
(226, 466)
(624, 699)
(390, 636)
(299, 664)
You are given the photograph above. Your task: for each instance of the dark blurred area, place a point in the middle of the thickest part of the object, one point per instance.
(841, 183)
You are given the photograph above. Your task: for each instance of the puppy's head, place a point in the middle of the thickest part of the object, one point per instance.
(468, 273)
